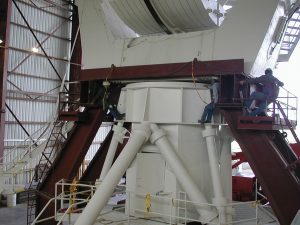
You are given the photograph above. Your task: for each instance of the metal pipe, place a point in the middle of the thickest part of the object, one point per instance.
(159, 138)
(116, 139)
(225, 168)
(225, 161)
(138, 137)
(209, 134)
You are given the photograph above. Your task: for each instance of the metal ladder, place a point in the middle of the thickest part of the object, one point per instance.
(291, 37)
(53, 145)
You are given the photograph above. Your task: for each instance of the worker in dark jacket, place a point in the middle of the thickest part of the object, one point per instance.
(268, 93)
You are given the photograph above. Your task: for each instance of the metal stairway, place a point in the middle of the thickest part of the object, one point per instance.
(291, 36)
(65, 165)
(274, 163)
(52, 146)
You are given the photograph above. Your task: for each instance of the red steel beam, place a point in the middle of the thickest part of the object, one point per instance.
(263, 152)
(5, 15)
(69, 160)
(171, 70)
(94, 168)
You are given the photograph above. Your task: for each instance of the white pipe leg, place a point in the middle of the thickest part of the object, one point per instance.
(138, 137)
(116, 139)
(209, 134)
(159, 138)
(225, 162)
(225, 168)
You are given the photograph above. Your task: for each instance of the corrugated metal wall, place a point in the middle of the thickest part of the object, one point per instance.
(100, 136)
(33, 84)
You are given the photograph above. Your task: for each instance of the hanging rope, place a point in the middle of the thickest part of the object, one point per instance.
(106, 87)
(194, 81)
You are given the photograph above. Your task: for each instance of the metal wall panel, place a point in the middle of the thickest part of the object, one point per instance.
(33, 84)
(99, 138)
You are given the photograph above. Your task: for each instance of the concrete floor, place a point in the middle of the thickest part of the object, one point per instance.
(16, 215)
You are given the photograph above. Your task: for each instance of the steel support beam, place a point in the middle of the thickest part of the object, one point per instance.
(263, 151)
(171, 70)
(31, 76)
(5, 15)
(68, 162)
(41, 43)
(41, 32)
(94, 168)
(43, 10)
(37, 40)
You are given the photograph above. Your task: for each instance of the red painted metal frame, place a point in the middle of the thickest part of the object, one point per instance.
(171, 70)
(94, 168)
(68, 162)
(238, 156)
(5, 8)
(262, 151)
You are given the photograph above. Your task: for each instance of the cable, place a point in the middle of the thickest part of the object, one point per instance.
(105, 95)
(194, 81)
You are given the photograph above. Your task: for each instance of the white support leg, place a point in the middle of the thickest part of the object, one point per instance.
(138, 137)
(116, 139)
(209, 134)
(225, 168)
(225, 162)
(159, 138)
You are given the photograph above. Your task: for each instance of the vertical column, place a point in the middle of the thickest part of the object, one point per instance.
(5, 14)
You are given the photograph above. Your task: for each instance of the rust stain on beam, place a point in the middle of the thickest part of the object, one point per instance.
(171, 70)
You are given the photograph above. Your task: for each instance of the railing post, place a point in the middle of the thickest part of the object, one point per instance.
(128, 219)
(63, 195)
(171, 202)
(55, 200)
